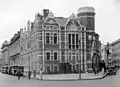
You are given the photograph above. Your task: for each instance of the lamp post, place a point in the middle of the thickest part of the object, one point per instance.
(80, 60)
(80, 52)
(92, 47)
(90, 38)
(41, 68)
(29, 63)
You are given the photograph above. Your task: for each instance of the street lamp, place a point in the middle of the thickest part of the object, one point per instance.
(90, 38)
(29, 63)
(80, 60)
(80, 52)
(91, 47)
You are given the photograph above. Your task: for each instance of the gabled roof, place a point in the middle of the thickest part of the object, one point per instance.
(115, 42)
(72, 16)
(62, 21)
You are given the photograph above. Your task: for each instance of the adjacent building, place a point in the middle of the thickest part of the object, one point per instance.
(0, 59)
(116, 52)
(14, 49)
(5, 53)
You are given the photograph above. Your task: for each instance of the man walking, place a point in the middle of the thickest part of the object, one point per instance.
(40, 76)
(29, 74)
(18, 73)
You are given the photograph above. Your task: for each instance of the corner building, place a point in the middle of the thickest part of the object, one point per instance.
(59, 45)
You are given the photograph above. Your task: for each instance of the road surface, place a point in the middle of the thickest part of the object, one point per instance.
(12, 81)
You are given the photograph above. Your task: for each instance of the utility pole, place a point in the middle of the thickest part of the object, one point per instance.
(79, 61)
(80, 51)
(29, 63)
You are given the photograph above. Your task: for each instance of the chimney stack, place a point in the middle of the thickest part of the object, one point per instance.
(45, 12)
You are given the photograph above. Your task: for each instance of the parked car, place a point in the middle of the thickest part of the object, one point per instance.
(112, 71)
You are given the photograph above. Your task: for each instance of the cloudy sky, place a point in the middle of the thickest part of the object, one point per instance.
(15, 13)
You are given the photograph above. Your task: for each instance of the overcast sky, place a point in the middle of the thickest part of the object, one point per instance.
(15, 13)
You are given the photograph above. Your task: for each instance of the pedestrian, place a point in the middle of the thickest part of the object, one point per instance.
(40, 76)
(29, 75)
(18, 73)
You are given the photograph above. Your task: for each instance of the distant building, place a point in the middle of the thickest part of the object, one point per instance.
(116, 51)
(104, 56)
(5, 53)
(0, 59)
(14, 49)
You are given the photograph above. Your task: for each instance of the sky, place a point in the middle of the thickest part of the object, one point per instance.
(14, 15)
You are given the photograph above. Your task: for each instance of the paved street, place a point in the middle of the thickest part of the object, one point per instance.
(70, 76)
(11, 81)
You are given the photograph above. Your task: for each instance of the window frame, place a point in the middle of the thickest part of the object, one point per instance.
(54, 55)
(54, 38)
(46, 37)
(50, 55)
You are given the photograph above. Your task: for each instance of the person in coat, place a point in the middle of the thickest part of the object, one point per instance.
(29, 75)
(19, 74)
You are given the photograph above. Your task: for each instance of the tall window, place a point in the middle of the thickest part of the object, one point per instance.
(73, 39)
(51, 38)
(48, 55)
(77, 41)
(47, 38)
(69, 38)
(55, 55)
(55, 38)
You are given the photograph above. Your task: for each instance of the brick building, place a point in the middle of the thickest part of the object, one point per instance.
(58, 44)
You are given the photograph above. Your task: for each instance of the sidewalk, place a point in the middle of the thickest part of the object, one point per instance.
(85, 76)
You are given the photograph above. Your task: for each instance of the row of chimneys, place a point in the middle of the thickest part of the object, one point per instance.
(27, 31)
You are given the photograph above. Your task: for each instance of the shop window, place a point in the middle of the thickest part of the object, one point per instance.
(55, 68)
(48, 69)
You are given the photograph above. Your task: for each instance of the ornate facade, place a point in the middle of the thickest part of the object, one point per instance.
(56, 44)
